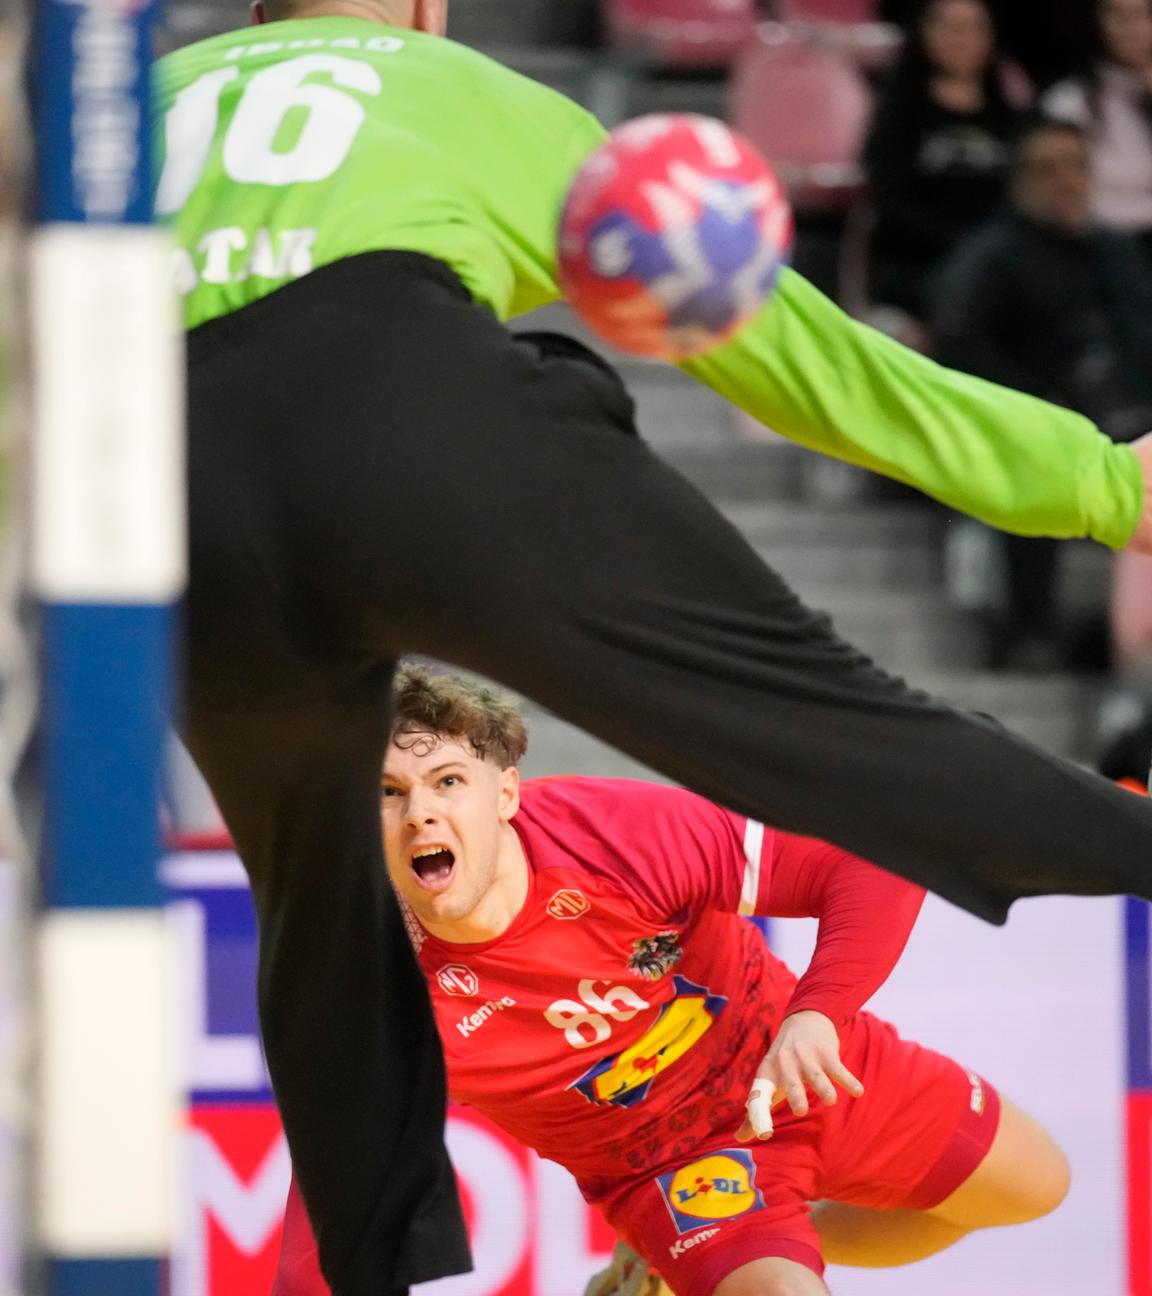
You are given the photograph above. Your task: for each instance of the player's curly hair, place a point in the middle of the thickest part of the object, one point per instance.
(452, 706)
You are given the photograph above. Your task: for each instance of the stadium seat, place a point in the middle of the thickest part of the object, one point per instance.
(681, 33)
(806, 107)
(828, 11)
(853, 26)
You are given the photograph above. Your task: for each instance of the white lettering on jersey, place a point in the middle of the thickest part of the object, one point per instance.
(687, 1243)
(977, 1101)
(219, 257)
(471, 1022)
(217, 247)
(619, 1002)
(367, 44)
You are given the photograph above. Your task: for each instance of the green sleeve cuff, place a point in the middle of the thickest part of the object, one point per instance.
(1113, 495)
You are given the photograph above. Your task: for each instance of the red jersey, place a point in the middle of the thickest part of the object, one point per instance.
(628, 1005)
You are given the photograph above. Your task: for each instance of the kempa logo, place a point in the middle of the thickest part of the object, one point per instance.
(472, 1022)
(456, 979)
(568, 904)
(694, 1239)
(976, 1102)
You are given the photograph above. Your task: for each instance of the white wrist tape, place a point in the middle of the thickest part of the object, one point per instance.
(760, 1107)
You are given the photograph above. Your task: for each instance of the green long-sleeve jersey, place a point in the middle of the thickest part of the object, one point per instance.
(289, 146)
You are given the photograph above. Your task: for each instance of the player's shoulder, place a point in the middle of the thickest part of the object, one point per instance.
(454, 73)
(522, 98)
(663, 848)
(617, 808)
(577, 790)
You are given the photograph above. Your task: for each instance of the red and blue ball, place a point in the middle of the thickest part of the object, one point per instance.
(672, 236)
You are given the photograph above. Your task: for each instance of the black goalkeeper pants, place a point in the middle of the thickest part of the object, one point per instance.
(378, 467)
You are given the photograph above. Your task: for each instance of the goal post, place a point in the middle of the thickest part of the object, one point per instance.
(107, 566)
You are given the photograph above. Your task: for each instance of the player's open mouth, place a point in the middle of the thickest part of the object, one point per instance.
(434, 866)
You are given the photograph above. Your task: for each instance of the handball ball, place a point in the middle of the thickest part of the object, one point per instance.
(672, 236)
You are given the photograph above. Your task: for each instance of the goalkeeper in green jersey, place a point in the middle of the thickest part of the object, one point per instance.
(377, 466)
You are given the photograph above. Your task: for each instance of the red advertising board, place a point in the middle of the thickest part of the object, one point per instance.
(1140, 1194)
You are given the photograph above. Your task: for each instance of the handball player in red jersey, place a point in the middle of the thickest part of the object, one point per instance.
(599, 998)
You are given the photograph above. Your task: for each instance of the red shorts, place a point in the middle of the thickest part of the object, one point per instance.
(920, 1129)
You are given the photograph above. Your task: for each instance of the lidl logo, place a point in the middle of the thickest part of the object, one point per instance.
(568, 904)
(624, 1079)
(456, 979)
(717, 1187)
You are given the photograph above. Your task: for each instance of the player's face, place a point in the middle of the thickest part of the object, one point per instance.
(1053, 183)
(445, 813)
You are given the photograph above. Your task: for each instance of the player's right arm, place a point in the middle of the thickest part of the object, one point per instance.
(689, 855)
(698, 855)
(866, 916)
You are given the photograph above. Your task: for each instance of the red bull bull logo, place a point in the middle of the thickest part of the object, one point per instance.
(717, 1187)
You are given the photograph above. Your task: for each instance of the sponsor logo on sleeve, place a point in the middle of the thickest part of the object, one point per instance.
(717, 1187)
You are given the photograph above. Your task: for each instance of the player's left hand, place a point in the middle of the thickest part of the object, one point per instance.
(805, 1054)
(1141, 541)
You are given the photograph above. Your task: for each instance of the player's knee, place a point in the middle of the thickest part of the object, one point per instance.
(772, 1277)
(1025, 1176)
(1042, 1190)
(1040, 1184)
(1040, 1177)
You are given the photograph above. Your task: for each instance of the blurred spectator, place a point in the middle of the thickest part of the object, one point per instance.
(1045, 300)
(1047, 41)
(1112, 101)
(937, 153)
